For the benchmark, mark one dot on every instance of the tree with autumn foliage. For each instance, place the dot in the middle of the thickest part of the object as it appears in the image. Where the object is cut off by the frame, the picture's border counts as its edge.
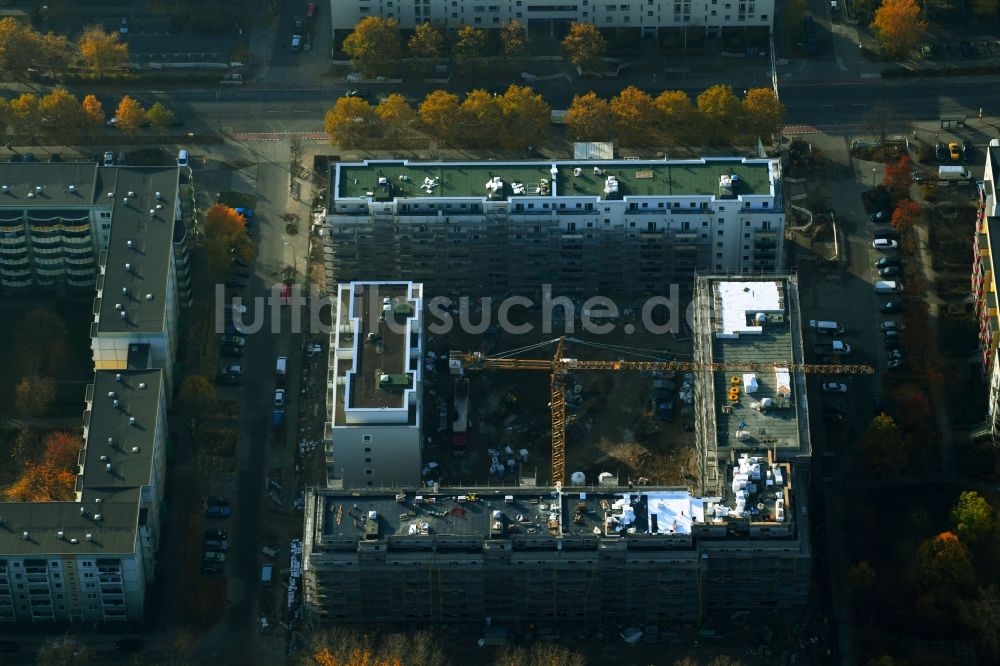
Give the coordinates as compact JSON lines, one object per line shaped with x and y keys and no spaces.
{"x":907,"y":215}
{"x":589,"y":118}
{"x":584,"y":46}
{"x":129,"y":116}
{"x":396,"y":116}
{"x":480,"y":119}
{"x":468,"y":47}
{"x":898,"y":177}
{"x":512,"y":41}
{"x":719,"y":114}
{"x":351,"y":122}
{"x":526,"y":117}
{"x":677,"y":115}
{"x":225,"y":237}
{"x":763,"y":113}
{"x":985,"y":8}
{"x":100,"y":50}
{"x":539,"y":654}
{"x":427,"y":43}
{"x":943,"y":563}
{"x":349,"y":647}
{"x":882,"y":447}
{"x":972,"y":516}
{"x":900,"y":26}
{"x":66,"y":651}
{"x":40,"y":343}
{"x":34,"y":394}
{"x":438,"y":113}
{"x":60,"y":115}
{"x":93,"y":111}
{"x":374,"y":46}
{"x":23,"y":114}
{"x":635,"y":116}
{"x":160,"y":116}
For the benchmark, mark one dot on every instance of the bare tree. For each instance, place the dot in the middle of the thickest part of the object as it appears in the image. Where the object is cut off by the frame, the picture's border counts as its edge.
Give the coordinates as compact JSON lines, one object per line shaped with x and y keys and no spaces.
{"x":878,"y":120}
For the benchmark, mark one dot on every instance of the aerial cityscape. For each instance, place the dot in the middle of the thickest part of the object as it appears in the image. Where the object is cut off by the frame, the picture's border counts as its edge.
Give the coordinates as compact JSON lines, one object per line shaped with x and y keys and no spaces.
{"x":430,"y":333}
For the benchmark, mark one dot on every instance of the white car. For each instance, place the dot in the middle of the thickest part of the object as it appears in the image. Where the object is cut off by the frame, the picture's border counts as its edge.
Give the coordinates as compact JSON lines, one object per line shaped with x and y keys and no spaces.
{"x":279,"y":397}
{"x":230,"y":307}
{"x":834,"y":387}
{"x":884,"y":244}
{"x":889,"y":325}
{"x":232,"y":370}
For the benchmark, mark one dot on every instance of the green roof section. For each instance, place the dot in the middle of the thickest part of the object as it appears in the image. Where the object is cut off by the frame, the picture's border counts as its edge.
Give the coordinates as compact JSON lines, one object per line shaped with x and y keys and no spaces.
{"x":403,"y":179}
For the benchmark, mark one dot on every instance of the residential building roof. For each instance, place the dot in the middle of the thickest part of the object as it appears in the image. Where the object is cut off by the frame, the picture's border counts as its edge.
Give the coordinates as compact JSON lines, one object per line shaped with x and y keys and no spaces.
{"x":64,"y":184}
{"x":98,"y":528}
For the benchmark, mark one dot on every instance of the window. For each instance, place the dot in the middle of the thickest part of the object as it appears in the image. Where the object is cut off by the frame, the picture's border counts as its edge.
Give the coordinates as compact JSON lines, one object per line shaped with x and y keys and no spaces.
{"x":763,"y":17}
{"x":746,"y":258}
{"x":368,"y":460}
{"x":746,"y":247}
{"x":479,"y":9}
{"x":718,"y":255}
{"x":766,"y":225}
{"x":693,"y":204}
{"x":719,"y":244}
{"x":364,"y":9}
{"x":366,"y":438}
{"x":685,"y":226}
{"x":649,"y":13}
{"x":369,"y":472}
{"x":477,"y":20}
{"x":722,"y":232}
{"x":765,"y":204}
{"x":651,"y":226}
{"x":368,"y":449}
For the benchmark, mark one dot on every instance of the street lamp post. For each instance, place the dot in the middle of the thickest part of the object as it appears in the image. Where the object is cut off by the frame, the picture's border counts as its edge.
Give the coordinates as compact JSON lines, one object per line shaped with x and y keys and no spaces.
{"x":218,"y":108}
{"x":873,"y":178}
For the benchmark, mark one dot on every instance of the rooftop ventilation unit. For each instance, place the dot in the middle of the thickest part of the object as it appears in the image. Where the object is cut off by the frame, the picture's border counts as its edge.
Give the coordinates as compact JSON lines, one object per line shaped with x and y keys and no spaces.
{"x":104,"y":458}
{"x":152,"y":213}
{"x":98,"y":500}
{"x":149,"y":297}
{"x":5,"y":189}
{"x":111,"y":441}
{"x":38,"y":188}
{"x":142,"y":385}
{"x":131,"y":420}
{"x":31,"y":195}
{"x":24,"y":535}
{"x":157,"y":195}
{"x":60,"y":535}
{"x":89,"y":536}
{"x":135,"y":449}
{"x":128,"y":244}
{"x":118,"y":376}
{"x":115,"y":403}
{"x":125,"y":201}
{"x":71,"y":188}
{"x":159,"y":206}
{"x":111,"y":195}
{"x":131,"y":193}
{"x":74,"y":541}
{"x":125,"y":290}
{"x":107,"y":467}
{"x":83,"y":511}
{"x":118,"y":306}
{"x":111,"y":394}
{"x":98,"y":516}
{"x":124,"y":316}
{"x":128,"y":267}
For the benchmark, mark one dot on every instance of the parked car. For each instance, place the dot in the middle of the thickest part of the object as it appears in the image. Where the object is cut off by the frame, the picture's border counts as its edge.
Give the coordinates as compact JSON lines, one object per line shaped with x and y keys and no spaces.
{"x":889,"y":325}
{"x":109,"y":159}
{"x":966,"y":50}
{"x":55,"y":157}
{"x":236,"y":283}
{"x":216,"y":533}
{"x":895,"y":354}
{"x":882,"y":216}
{"x":889,"y":271}
{"x":883,"y":262}
{"x":230,"y":307}
{"x":884,"y":244}
{"x":953,"y":151}
{"x":968,"y":151}
{"x":893,"y":343}
{"x":215,"y":545}
{"x":834,"y":387}
{"x":223,"y":379}
{"x":279,"y":397}
{"x":896,"y":364}
{"x":941,"y":152}
{"x":891,"y":306}
{"x":919,"y":176}
{"x":296,"y":42}
{"x":360,"y":93}
{"x":213,"y":556}
{"x":233,"y":370}
{"x":217,"y":511}
{"x":233,"y":340}
{"x":299,"y":26}
{"x":123,"y":25}
{"x":231,"y":351}
{"x":211,"y":568}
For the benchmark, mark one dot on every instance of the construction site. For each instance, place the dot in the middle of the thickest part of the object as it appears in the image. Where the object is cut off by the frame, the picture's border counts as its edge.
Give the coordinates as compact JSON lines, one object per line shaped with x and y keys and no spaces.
{"x":497,"y":430}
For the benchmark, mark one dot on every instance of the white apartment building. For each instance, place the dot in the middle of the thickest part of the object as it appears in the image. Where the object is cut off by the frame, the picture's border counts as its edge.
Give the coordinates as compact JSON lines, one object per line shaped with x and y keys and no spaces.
{"x":91,"y":559}
{"x":649,"y":16}
{"x":585,"y":227}
{"x":372,"y":435}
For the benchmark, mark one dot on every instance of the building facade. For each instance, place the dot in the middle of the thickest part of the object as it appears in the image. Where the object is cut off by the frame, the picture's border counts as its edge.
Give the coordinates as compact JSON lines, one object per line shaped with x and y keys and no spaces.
{"x":543,"y":555}
{"x":586,"y":228}
{"x":985,"y":243}
{"x":648,"y":16}
{"x":372,"y":436}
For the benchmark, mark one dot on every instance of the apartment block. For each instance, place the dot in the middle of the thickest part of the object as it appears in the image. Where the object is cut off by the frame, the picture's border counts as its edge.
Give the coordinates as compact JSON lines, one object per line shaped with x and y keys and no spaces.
{"x":143,"y":270}
{"x":372,"y":436}
{"x":611,"y":227}
{"x":649,"y":16}
{"x":551,"y":555}
{"x":985,"y":243}
{"x":745,"y":320}
{"x":91,"y":559}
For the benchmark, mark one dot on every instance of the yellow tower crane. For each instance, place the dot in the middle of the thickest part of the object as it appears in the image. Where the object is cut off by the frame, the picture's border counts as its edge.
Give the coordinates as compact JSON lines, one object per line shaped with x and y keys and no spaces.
{"x":559,"y":365}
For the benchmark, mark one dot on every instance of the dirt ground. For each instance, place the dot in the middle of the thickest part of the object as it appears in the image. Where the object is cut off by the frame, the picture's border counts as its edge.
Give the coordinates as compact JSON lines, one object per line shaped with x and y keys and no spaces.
{"x":612,"y":430}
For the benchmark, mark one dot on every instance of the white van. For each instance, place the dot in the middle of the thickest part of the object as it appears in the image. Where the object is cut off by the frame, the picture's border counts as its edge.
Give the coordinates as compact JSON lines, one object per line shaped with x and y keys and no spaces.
{"x":827,"y":327}
{"x":888,"y":287}
{"x":954,"y":173}
{"x":182,"y":157}
{"x":281,"y":366}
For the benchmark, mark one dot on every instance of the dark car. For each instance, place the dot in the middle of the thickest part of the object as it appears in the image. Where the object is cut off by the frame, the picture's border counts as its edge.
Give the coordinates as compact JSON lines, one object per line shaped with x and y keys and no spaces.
{"x":30,"y":157}
{"x":893,"y":343}
{"x":239,"y":263}
{"x":889,"y":272}
{"x":966,"y":50}
{"x":882,"y":216}
{"x":887,"y":261}
{"x":212,"y":568}
{"x":130,"y":645}
{"x":233,"y":341}
{"x":228,"y":379}
{"x":360,"y":93}
{"x":217,"y":533}
{"x":941,"y":152}
{"x":968,"y":151}
{"x":55,"y":157}
{"x":891,"y":306}
{"x":236,"y":283}
{"x":17,"y":157}
{"x":834,"y":414}
{"x":231,"y":351}
{"x":300,"y":26}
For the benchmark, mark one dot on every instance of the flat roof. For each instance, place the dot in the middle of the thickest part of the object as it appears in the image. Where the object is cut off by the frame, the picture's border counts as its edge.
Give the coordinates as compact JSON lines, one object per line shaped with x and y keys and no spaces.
{"x":404,"y":179}
{"x":56,"y":181}
{"x":113,"y":438}
{"x":740,"y":335}
{"x":112,"y":534}
{"x":137,"y":259}
{"x":387,"y":354}
{"x":501,"y":512}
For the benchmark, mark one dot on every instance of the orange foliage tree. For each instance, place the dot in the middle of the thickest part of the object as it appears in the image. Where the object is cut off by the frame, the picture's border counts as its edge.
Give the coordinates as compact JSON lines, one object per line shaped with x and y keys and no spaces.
{"x":944,"y":562}
{"x":42,"y":483}
{"x":906,"y":215}
{"x":62,"y":450}
{"x":899,"y":26}
{"x":898,"y":177}
{"x":224,"y":237}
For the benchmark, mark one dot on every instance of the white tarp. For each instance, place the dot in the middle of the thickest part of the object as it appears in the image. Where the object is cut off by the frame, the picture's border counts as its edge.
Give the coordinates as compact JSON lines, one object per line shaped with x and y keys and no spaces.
{"x":750,"y":382}
{"x":738,"y":299}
